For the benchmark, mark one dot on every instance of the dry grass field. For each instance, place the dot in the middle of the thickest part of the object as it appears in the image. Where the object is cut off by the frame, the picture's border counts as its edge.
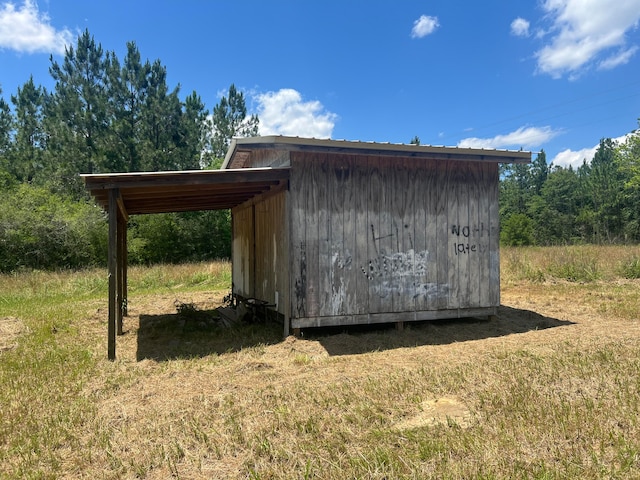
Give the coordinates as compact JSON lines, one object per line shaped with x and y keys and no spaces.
{"x":548,"y":390}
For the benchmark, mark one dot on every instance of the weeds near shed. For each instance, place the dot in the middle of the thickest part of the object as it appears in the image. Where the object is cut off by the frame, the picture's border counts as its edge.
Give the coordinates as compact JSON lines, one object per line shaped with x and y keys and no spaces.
{"x":582,"y":264}
{"x":630,"y":268}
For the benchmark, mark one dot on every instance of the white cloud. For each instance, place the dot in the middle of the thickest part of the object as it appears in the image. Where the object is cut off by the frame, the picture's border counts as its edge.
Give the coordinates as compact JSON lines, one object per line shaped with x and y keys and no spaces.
{"x":285,"y":113}
{"x":583,"y":31}
{"x":620,"y":58}
{"x":25,"y":29}
{"x":424,"y":26}
{"x":523,"y":137}
{"x":575,"y":158}
{"x":520,"y":27}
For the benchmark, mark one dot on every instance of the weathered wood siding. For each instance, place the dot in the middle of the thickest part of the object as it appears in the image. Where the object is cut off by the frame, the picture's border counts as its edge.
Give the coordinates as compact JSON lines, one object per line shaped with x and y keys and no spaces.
{"x":378,"y":239}
{"x":260,"y":251}
{"x":243,"y":254}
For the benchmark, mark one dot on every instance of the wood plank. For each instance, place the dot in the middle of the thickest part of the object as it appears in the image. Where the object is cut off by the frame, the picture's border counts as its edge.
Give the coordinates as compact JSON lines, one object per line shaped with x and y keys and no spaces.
{"x":125,"y":271}
{"x":287,"y":262}
{"x":454,"y":234}
{"x":465,"y":253}
{"x":113,"y":273}
{"x":345,"y":262}
{"x":315,"y":219}
{"x":411,"y":208}
{"x":483,"y":237}
{"x":386,"y":238}
{"x":326,"y":204}
{"x":338,"y":262}
{"x":494,"y":235}
{"x":403,"y":257}
{"x":242,"y":251}
{"x":260,"y":242}
{"x":476,"y":249}
{"x":422,"y":254}
{"x":121,"y":247}
{"x":436,"y":195}
{"x":392,"y":317}
{"x":443,"y":252}
{"x":374,"y":266}
{"x":191,"y":177}
{"x":297,"y":240}
{"x":361,"y":201}
{"x":252,"y":253}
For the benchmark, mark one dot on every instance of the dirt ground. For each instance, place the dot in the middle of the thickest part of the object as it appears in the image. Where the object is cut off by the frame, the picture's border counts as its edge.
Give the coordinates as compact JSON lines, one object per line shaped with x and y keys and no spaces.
{"x":153,"y":329}
{"x":10,"y":329}
{"x":154,"y":333}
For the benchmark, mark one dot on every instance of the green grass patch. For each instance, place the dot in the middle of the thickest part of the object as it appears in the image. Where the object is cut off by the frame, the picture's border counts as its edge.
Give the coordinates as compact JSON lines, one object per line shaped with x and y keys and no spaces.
{"x":630,"y":268}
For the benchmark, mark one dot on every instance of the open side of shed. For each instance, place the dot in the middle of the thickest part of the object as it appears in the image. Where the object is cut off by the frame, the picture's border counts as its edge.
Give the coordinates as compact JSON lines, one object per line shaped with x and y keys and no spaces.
{"x":334,"y":232}
{"x":124,"y":194}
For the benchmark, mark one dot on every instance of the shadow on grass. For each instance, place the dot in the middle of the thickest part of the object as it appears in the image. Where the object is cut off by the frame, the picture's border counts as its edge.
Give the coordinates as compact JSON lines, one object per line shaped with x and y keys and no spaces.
{"x":371,"y":338}
{"x":171,"y":336}
{"x":198,"y":334}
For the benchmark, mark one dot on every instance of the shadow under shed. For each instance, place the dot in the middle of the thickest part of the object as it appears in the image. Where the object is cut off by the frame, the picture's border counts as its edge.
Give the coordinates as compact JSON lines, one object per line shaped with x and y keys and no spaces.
{"x":199,"y":333}
{"x":509,"y":321}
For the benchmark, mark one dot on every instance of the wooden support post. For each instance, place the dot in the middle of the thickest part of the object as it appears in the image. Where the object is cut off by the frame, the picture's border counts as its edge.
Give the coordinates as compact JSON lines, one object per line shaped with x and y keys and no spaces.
{"x":120,"y":261}
{"x":123,"y":260}
{"x":113,"y":273}
{"x":400,"y":326}
{"x":125,"y":268}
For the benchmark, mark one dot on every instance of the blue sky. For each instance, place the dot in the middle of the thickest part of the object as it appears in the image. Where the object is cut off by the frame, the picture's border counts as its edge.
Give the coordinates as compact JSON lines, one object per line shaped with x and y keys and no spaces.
{"x":556,"y":75}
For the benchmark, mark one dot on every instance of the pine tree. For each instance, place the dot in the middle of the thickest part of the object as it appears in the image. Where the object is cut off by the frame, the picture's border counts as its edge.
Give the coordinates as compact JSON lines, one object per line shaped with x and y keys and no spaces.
{"x":195,"y":131}
{"x":77,"y":120}
{"x":230,"y":120}
{"x":603,"y":189}
{"x":6,"y":178}
{"x":30,"y":138}
{"x":161,"y":122}
{"x":128,"y":92}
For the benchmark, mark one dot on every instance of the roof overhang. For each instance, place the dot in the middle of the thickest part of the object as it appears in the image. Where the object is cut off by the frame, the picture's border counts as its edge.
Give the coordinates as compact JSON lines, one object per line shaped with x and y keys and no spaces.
{"x":241,"y":149}
{"x":187,"y":190}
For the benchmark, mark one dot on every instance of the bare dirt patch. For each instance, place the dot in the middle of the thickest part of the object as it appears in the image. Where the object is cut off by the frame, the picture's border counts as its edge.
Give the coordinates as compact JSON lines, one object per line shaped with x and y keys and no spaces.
{"x":10,"y":330}
{"x":443,"y":410}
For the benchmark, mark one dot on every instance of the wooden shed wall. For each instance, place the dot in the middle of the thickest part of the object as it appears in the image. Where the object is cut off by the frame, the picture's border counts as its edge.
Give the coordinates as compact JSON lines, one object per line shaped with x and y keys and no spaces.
{"x":260,"y":251}
{"x":391,"y":239}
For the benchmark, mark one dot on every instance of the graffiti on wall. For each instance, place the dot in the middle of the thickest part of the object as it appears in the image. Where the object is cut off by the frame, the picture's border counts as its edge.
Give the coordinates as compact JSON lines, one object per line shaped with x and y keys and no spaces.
{"x":470,"y":239}
{"x":400,"y":272}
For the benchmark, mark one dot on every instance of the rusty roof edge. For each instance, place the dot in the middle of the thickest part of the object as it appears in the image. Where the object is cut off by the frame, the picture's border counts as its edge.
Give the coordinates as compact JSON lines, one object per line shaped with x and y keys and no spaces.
{"x":346,"y":146}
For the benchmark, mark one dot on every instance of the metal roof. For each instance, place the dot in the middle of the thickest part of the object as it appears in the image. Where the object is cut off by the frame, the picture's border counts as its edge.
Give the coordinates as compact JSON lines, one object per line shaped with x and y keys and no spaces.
{"x":187,"y":190}
{"x":241,"y":148}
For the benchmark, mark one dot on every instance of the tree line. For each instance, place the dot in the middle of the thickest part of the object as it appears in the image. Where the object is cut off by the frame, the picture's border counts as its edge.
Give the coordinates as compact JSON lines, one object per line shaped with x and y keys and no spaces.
{"x":110,"y":115}
{"x":106,"y":115}
{"x":598,"y":202}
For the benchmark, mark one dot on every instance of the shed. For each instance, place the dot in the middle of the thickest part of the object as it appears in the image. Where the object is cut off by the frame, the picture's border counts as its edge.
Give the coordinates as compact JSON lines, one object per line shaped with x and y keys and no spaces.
{"x":369,"y":232}
{"x":333,"y":232}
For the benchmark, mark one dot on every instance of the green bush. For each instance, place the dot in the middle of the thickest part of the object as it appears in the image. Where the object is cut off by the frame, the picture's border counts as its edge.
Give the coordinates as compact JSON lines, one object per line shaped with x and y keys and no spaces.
{"x":42,"y":230}
{"x":517,"y":231}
